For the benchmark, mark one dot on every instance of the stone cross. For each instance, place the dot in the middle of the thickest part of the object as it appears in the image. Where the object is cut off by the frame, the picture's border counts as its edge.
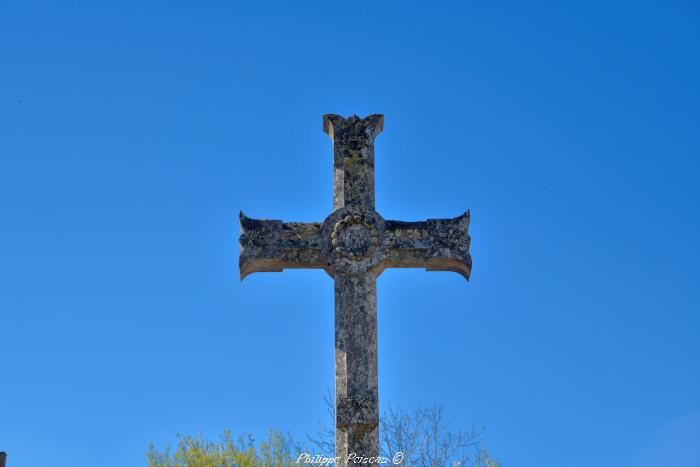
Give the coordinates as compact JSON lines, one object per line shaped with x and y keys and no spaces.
{"x":354,"y":244}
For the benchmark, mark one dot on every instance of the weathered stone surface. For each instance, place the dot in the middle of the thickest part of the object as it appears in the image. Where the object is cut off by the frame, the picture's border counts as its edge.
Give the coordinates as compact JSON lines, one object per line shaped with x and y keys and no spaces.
{"x":356,"y":389}
{"x":436,"y":245}
{"x":271,"y":246}
{"x":357,"y":412}
{"x":354,"y":244}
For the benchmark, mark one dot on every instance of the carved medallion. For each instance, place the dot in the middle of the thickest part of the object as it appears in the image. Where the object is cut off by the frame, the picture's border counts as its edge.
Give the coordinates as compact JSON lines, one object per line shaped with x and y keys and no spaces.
{"x":353,"y":239}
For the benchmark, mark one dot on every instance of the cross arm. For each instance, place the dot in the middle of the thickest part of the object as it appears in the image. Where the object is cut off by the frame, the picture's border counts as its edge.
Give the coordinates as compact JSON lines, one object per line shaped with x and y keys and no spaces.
{"x":435,"y":244}
{"x":273,"y":245}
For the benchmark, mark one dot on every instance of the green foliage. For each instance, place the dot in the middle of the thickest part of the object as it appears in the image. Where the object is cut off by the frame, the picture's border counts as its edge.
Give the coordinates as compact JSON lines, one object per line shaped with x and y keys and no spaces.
{"x":423,"y":437}
{"x":242,"y":452}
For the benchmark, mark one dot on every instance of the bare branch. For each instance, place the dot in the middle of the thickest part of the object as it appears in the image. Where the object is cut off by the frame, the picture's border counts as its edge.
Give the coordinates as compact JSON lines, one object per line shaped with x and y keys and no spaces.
{"x":425,"y":438}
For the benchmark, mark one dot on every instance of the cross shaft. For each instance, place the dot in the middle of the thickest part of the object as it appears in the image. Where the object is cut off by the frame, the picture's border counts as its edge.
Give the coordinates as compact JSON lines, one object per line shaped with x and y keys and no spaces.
{"x":354,"y":244}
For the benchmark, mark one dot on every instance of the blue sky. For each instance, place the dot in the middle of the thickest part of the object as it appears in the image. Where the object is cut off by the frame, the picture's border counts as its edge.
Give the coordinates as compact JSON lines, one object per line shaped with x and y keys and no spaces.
{"x":132,"y":133}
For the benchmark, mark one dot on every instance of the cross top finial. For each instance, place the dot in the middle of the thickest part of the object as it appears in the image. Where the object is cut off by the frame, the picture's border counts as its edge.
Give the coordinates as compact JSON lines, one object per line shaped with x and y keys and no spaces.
{"x":353,"y":157}
{"x":353,"y":128}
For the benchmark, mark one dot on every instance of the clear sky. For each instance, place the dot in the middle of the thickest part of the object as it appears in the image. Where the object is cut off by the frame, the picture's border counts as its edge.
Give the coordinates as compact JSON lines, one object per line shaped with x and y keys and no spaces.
{"x":132,"y":133}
